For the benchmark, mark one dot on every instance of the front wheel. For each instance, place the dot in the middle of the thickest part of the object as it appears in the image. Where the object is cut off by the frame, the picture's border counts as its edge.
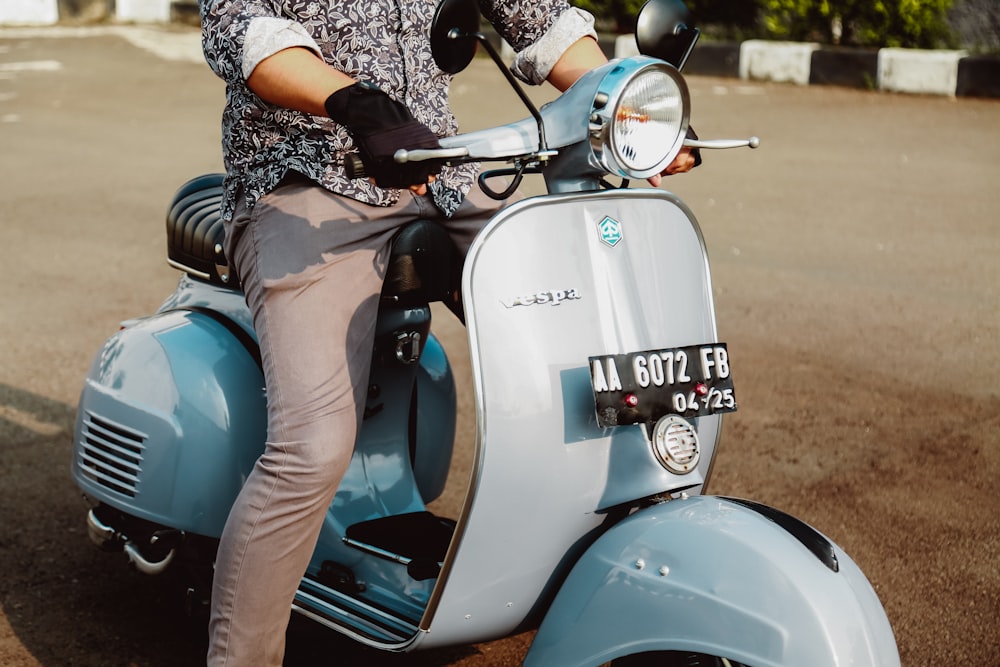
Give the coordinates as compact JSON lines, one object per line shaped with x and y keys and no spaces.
{"x":672,"y":659}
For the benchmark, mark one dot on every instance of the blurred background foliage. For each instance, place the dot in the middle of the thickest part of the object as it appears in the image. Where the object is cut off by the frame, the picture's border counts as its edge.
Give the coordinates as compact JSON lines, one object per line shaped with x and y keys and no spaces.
{"x":922,"y":24}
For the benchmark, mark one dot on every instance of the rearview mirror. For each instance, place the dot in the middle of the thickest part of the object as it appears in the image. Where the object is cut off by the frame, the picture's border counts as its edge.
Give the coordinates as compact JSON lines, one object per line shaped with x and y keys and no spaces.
{"x":453,"y":34}
{"x":662,"y":31}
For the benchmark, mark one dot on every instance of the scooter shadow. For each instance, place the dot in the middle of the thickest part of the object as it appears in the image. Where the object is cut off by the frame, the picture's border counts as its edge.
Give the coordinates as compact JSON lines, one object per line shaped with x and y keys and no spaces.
{"x":309,"y":645}
{"x":60,"y":598}
{"x":64,"y":602}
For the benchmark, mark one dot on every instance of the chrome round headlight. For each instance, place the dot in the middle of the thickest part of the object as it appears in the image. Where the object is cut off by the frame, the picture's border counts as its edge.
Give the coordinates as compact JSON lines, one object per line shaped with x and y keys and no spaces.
{"x":639,"y":118}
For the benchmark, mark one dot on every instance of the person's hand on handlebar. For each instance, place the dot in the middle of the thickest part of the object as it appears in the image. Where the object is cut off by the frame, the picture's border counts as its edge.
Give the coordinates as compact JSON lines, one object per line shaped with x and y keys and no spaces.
{"x":686,"y":160}
{"x":296,"y":78}
{"x":379,"y":126}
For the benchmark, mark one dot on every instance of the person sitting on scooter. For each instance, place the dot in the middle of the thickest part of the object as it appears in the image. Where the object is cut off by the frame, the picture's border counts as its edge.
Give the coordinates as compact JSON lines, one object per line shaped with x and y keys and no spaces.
{"x":308,"y":83}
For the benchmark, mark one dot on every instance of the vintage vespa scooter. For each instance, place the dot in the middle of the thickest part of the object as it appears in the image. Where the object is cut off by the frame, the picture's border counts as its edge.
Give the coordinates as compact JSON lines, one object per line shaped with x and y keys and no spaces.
{"x":599,"y":388}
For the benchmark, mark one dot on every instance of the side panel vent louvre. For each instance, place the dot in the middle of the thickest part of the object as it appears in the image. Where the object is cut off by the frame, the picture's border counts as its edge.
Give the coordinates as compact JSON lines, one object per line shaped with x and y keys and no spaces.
{"x":111,"y":454}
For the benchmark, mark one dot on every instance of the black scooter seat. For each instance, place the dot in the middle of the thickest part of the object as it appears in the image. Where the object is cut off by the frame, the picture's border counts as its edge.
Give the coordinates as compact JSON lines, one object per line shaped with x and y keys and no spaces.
{"x":421,"y":266}
{"x":195,"y":233}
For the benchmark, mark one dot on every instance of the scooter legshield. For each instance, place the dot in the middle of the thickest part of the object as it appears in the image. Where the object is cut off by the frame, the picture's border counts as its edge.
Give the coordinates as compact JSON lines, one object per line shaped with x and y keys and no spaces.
{"x":171,"y":419}
{"x":435,"y":427}
{"x":710,"y":575}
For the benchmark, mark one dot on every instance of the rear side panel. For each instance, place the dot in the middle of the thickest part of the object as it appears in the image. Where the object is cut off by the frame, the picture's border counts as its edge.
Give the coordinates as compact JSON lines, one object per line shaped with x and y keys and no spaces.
{"x":171,"y":419}
{"x":552,"y":281}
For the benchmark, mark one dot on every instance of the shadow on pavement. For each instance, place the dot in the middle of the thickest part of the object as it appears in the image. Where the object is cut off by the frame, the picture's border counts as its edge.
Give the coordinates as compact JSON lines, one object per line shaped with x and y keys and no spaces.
{"x":65,"y":602}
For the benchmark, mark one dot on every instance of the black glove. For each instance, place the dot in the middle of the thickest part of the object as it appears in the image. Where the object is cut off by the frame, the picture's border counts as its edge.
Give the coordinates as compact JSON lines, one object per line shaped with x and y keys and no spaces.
{"x":380,"y":126}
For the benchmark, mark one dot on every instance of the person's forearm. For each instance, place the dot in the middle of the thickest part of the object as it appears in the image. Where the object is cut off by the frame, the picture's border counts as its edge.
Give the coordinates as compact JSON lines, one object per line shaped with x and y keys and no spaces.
{"x":584,"y":55}
{"x":296,"y":79}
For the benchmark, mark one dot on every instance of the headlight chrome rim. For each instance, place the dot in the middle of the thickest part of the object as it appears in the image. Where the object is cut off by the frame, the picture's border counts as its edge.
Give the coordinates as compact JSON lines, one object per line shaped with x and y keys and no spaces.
{"x":611,"y":112}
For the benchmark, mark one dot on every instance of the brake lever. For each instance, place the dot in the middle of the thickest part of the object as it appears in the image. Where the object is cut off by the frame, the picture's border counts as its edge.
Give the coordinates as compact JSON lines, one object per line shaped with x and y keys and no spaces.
{"x":403,"y":156}
{"x":752,"y":142}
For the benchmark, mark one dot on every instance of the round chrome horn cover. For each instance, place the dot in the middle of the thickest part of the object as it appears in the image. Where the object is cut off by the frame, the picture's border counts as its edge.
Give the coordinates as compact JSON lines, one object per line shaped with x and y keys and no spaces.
{"x":675,"y":444}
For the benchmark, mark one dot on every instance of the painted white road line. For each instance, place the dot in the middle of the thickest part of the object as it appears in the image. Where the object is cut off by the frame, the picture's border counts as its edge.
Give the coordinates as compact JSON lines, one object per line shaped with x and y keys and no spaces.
{"x":32,"y":66}
{"x":170,"y":44}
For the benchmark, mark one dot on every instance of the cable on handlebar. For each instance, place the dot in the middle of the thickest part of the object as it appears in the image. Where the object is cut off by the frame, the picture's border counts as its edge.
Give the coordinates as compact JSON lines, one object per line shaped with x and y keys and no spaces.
{"x":517,"y":173}
{"x":611,"y":186}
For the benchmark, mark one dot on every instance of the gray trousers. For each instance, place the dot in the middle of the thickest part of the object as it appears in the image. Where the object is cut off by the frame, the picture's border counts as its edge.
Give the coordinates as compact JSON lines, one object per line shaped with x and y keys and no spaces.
{"x":312,"y":265}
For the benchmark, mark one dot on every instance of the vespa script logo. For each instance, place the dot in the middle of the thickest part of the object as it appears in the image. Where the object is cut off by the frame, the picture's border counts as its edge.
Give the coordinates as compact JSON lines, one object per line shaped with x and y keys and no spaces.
{"x":551,"y":297}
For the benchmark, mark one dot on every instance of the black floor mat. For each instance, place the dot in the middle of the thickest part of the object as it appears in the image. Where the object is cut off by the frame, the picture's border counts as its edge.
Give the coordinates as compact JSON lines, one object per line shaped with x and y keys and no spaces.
{"x":418,"y":536}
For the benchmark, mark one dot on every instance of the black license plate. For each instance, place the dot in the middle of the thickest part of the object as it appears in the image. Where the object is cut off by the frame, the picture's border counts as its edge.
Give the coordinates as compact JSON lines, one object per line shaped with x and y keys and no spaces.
{"x":641,"y":387}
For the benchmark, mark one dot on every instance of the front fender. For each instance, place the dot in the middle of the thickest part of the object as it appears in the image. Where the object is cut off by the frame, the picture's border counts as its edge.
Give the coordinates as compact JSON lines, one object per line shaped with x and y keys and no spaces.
{"x":714,"y":576}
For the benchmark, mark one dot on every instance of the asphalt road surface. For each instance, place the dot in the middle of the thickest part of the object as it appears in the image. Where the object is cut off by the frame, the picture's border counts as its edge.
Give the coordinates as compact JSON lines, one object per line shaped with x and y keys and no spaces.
{"x":855,"y":259}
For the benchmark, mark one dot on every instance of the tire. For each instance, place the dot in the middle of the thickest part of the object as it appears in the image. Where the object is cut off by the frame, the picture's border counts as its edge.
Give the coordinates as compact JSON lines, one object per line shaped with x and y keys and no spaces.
{"x":672,"y":659}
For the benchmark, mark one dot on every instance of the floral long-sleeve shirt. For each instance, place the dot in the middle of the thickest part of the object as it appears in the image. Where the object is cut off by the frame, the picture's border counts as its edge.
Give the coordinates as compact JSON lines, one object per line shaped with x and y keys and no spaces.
{"x":385,"y":42}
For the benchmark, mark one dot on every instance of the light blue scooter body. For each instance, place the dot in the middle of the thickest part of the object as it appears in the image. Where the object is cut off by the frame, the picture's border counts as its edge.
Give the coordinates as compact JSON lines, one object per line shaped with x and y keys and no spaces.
{"x":546,"y":285}
{"x":551,"y":281}
{"x":532,"y":543}
{"x":173,"y":416}
{"x":712,"y":576}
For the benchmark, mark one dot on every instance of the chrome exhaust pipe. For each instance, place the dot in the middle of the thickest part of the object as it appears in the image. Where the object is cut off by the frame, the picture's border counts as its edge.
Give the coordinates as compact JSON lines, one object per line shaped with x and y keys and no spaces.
{"x":146,"y":566}
{"x":100,"y":533}
{"x":109,"y":539}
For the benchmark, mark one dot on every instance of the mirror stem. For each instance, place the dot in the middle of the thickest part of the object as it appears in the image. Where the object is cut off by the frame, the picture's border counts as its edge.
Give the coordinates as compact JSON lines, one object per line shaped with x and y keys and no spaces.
{"x":515,"y":84}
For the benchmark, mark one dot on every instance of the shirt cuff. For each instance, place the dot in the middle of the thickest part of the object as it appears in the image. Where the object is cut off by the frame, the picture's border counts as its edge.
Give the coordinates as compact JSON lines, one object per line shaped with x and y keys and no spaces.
{"x":267,"y":35}
{"x":534,"y":63}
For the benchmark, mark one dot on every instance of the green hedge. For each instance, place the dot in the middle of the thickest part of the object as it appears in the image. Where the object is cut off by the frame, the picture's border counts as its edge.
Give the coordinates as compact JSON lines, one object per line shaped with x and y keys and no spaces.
{"x":869,"y":23}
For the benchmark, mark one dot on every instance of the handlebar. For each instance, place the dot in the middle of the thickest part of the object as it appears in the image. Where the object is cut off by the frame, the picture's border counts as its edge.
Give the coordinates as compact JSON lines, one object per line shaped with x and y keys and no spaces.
{"x":355,"y":168}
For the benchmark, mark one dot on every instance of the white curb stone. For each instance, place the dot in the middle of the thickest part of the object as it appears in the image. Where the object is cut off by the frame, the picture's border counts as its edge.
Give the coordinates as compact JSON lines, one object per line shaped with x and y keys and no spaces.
{"x":143,"y":11}
{"x":783,"y":62}
{"x":918,"y":71}
{"x":28,"y":12}
{"x":181,"y":46}
{"x":625,"y":46}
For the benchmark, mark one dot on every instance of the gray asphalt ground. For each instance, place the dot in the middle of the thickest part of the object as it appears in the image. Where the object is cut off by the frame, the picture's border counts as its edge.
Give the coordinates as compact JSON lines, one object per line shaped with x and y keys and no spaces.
{"x":857,"y":284}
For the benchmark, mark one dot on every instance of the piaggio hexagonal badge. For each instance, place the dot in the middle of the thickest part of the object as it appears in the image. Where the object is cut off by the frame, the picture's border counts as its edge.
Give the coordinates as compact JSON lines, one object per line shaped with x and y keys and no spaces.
{"x":610,"y":230}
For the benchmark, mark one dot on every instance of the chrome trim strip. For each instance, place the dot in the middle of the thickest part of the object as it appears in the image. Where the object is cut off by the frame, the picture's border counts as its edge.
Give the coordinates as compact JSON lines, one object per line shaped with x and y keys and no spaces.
{"x":375,"y":551}
{"x":339,"y":618}
{"x":187,"y":269}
